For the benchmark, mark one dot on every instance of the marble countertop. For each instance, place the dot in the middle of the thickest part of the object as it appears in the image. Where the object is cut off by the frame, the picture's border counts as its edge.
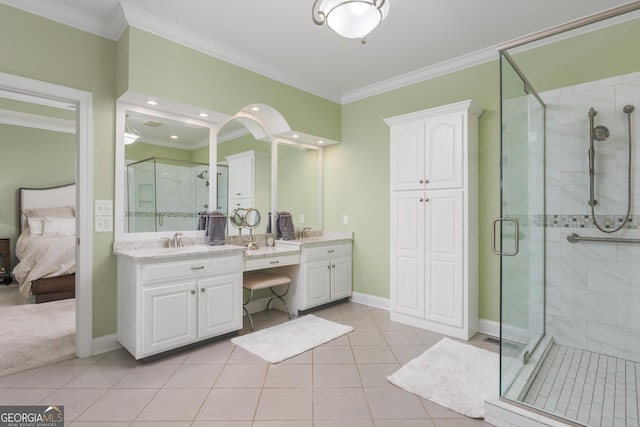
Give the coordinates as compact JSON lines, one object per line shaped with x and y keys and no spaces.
{"x":155,"y":249}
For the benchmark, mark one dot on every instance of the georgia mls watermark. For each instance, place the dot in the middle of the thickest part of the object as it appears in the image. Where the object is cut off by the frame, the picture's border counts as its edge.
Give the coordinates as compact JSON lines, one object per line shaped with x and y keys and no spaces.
{"x":32,"y":416}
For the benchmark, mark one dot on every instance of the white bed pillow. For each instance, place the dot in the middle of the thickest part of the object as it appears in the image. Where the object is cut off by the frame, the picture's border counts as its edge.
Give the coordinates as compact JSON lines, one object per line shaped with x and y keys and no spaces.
{"x":59,"y":226}
{"x":36,"y":226}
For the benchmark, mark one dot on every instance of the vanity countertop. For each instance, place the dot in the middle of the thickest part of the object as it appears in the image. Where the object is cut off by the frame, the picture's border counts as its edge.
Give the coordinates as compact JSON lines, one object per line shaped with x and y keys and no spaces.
{"x":266,"y":252}
{"x":157,"y":253}
{"x":320,"y":239}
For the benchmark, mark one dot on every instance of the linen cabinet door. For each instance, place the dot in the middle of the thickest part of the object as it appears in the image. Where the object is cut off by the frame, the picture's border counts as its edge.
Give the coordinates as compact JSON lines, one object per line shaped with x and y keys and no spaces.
{"x":443,"y":152}
{"x":407,"y":157}
{"x":219,"y":305}
{"x":169,"y":316}
{"x":444,"y":257}
{"x":341,"y":286}
{"x":407,"y":248}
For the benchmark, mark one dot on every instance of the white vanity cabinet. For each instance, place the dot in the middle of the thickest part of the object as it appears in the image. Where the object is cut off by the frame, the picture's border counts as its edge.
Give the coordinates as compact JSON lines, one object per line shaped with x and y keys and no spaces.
{"x":324,"y":275}
{"x":165,"y":304}
{"x":434,"y":225}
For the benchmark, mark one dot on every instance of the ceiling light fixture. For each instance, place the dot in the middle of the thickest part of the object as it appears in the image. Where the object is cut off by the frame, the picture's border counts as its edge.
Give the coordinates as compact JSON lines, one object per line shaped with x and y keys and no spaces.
{"x":130,"y":134}
{"x":152,"y":102}
{"x":353,"y":19}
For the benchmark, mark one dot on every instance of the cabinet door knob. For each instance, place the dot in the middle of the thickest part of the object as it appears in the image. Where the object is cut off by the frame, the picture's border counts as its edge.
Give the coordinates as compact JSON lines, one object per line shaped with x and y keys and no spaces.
{"x":201,"y":289}
{"x":330,"y":251}
{"x":426,"y":200}
{"x":193,"y":291}
{"x":197,"y":268}
{"x":421,"y":199}
{"x":421,"y":181}
{"x":426,"y":181}
{"x":333,"y":266}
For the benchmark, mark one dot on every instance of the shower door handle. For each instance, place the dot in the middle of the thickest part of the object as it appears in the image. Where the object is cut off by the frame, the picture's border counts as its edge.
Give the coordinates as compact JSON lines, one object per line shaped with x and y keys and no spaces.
{"x":516,"y":236}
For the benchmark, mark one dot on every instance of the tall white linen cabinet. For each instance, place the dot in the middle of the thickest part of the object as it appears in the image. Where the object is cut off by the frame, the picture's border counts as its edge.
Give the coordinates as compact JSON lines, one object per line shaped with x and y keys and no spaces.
{"x":434,"y":219}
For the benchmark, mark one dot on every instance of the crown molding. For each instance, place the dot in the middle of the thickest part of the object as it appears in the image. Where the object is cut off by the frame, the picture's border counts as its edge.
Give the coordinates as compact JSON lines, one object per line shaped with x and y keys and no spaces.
{"x":16,"y":118}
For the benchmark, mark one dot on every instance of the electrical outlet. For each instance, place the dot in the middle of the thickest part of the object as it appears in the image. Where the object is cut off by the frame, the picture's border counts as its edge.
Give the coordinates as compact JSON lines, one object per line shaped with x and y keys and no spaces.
{"x":104,"y":223}
{"x":104,"y":207}
{"x":345,"y":219}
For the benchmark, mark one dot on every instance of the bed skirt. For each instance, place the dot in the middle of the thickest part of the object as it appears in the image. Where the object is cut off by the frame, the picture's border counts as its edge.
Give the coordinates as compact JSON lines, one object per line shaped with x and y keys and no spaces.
{"x":54,"y":288}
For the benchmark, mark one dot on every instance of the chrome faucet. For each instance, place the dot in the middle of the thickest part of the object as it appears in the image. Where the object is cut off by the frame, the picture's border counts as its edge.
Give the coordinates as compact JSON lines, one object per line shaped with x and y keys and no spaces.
{"x":304,"y":230}
{"x":176,"y":241}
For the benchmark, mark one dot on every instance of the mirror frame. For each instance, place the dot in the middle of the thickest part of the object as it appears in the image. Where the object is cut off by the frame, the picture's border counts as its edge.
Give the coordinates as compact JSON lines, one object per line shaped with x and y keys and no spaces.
{"x":263,"y":121}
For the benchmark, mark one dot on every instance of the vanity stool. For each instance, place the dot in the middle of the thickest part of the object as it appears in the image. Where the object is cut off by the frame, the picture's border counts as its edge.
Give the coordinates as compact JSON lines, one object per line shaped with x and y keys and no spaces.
{"x":261,"y":280}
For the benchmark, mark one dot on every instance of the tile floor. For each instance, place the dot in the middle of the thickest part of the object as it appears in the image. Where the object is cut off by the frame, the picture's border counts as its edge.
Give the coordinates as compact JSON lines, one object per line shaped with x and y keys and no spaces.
{"x":592,"y":388}
{"x":341,"y":383}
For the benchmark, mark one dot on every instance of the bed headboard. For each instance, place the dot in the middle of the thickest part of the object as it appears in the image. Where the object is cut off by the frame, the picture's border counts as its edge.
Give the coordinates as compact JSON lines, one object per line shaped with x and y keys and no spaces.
{"x":49,"y":197}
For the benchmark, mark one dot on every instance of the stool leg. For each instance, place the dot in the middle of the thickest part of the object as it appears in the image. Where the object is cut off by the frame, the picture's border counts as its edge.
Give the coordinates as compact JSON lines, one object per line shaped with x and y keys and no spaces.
{"x":279,"y":296}
{"x":244,"y":307}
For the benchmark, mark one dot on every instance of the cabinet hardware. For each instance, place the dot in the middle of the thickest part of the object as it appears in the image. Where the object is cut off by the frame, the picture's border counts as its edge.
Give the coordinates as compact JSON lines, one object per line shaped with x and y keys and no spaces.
{"x":421,"y":199}
{"x":274,"y":262}
{"x":426,"y":200}
{"x":193,"y":291}
{"x":197,"y":268}
{"x":330,"y":251}
{"x":426,"y":181}
{"x":333,"y":266}
{"x":421,"y":181}
{"x":202,"y":290}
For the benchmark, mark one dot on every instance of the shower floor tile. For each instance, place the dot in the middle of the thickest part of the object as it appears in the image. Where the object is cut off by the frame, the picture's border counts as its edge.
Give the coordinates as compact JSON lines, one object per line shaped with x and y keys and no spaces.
{"x":591,"y":388}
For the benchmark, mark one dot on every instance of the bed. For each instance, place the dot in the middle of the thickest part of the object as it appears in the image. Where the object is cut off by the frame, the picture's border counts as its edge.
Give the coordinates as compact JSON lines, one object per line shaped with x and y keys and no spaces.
{"x":46,"y":245}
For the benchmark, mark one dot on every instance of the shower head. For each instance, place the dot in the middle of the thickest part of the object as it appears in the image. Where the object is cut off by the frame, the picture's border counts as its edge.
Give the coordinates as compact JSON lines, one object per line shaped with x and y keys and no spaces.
{"x":628,"y":109}
{"x":202,"y":174}
{"x":600,"y":133}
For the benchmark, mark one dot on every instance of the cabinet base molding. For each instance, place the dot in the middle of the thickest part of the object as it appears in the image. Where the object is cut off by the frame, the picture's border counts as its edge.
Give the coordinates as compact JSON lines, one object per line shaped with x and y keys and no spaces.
{"x":453,"y":331}
{"x":187,"y":347}
{"x":320,"y":307}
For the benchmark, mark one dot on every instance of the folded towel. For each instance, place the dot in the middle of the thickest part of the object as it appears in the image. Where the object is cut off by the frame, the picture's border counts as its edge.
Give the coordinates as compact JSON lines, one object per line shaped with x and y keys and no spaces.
{"x":216,"y":226}
{"x":202,"y":220}
{"x":285,"y":226}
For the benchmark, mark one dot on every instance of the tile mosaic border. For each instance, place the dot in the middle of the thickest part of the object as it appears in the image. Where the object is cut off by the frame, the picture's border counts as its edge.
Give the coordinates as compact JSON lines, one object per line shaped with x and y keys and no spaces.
{"x":577,"y":221}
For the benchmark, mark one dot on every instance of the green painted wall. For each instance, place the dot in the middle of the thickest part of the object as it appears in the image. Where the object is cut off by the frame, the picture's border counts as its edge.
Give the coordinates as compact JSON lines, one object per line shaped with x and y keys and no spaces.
{"x":357,"y":174}
{"x":41,"y":49}
{"x":31,"y":158}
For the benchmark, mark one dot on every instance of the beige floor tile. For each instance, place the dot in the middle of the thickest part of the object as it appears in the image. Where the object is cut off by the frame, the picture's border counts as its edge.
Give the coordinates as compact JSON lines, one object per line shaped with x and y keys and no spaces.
{"x":75,"y":401}
{"x":99,"y":424}
{"x":147,"y":376}
{"x":53,"y":376}
{"x":467,"y":422}
{"x":404,"y":423}
{"x":174,"y":405}
{"x":230,"y":404}
{"x":373,"y":354}
{"x":402,"y":338}
{"x":375,"y":374}
{"x":406,"y":353}
{"x":279,"y":423}
{"x":340,"y":404}
{"x":291,"y":376}
{"x":343,"y":340}
{"x":343,"y":423}
{"x":222,"y":424}
{"x":13,"y":379}
{"x":24,"y":396}
{"x":194,"y":376}
{"x":119,"y":357}
{"x":438,"y":411}
{"x":244,"y":357}
{"x":304,"y":358}
{"x":242,"y":376}
{"x":99,"y":376}
{"x":160,"y":424}
{"x":332,"y":354}
{"x":391,"y":402}
{"x":285,"y":404}
{"x":344,"y":375}
{"x":212,"y":354}
{"x":363,"y":325}
{"x":367,"y":338}
{"x":118,"y":405}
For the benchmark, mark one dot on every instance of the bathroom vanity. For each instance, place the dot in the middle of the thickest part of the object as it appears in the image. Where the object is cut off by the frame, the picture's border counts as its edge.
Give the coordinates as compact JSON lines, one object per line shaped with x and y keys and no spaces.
{"x":172,"y":297}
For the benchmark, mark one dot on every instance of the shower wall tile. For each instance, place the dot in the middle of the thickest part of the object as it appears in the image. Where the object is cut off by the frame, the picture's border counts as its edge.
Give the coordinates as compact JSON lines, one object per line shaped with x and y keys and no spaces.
{"x":592,"y":289}
{"x":569,"y":332}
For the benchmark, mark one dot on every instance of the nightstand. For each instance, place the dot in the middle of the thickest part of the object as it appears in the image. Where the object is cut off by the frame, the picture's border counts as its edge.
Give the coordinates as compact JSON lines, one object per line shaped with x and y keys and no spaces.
{"x":5,"y":261}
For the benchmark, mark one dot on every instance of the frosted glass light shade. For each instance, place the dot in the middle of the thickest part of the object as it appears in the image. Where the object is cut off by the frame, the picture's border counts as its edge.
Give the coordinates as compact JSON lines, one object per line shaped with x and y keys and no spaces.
{"x":130,"y":138}
{"x":352,"y":19}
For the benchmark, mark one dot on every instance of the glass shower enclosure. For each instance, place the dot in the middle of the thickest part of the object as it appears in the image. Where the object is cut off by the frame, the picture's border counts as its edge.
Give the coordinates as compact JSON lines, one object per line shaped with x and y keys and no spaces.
{"x":568,"y":235}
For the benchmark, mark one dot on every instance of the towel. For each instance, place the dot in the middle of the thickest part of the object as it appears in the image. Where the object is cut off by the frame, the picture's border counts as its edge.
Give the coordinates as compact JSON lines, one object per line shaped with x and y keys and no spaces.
{"x":215,"y":228}
{"x":202,"y":220}
{"x":285,"y":226}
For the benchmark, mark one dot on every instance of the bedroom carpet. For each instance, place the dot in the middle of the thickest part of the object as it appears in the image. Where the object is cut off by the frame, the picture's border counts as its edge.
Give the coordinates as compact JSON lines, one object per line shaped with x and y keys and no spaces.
{"x":291,"y":338}
{"x":35,"y":335}
{"x":452,"y":374}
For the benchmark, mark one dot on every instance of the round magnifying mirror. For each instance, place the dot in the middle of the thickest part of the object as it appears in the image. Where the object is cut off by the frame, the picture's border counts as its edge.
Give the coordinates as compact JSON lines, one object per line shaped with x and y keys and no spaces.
{"x":252,"y":218}
{"x":237,"y":217}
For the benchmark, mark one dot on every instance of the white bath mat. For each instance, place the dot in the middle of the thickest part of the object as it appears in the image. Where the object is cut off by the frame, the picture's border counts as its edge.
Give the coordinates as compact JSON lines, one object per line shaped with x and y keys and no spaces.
{"x":455,"y":375}
{"x":291,"y":338}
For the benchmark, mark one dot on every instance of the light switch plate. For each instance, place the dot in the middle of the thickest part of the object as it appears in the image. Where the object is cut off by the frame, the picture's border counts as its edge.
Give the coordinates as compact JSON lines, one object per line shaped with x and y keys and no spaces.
{"x":104,"y":207}
{"x":104,"y":223}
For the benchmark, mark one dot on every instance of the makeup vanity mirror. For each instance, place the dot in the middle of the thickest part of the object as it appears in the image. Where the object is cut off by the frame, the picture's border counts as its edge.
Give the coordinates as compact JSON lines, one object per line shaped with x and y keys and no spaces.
{"x":289,"y":170}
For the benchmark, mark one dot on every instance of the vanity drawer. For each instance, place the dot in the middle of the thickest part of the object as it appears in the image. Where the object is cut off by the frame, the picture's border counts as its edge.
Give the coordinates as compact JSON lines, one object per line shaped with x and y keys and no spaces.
{"x":192,"y":267}
{"x":326,"y":252}
{"x":272,"y":261}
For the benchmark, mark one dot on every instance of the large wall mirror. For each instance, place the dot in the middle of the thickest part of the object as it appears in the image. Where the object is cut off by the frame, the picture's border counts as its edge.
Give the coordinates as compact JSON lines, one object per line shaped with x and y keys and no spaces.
{"x":164,"y":179}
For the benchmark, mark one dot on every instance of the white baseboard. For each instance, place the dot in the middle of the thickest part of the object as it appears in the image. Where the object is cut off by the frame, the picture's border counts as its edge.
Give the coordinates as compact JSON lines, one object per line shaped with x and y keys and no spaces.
{"x":489,"y":327}
{"x":371,"y":300}
{"x":105,"y":343}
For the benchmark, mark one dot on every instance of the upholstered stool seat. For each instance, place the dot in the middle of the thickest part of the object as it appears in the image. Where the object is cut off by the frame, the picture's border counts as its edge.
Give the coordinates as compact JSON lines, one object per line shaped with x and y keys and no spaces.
{"x":261,"y":280}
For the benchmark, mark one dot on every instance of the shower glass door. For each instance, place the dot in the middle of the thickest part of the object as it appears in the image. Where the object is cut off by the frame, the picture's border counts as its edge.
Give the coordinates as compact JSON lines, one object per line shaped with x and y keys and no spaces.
{"x":521,"y":240}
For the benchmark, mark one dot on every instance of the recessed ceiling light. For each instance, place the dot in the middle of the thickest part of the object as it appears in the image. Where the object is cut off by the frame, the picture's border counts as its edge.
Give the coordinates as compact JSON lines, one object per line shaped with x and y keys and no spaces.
{"x":255,"y":109}
{"x":295,"y":135}
{"x":320,"y":141}
{"x":152,"y":102}
{"x":174,"y":137}
{"x":203,"y":115}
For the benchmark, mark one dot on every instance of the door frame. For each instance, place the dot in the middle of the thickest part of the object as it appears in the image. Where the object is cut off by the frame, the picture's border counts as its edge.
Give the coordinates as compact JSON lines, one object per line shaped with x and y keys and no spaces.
{"x":84,"y":193}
